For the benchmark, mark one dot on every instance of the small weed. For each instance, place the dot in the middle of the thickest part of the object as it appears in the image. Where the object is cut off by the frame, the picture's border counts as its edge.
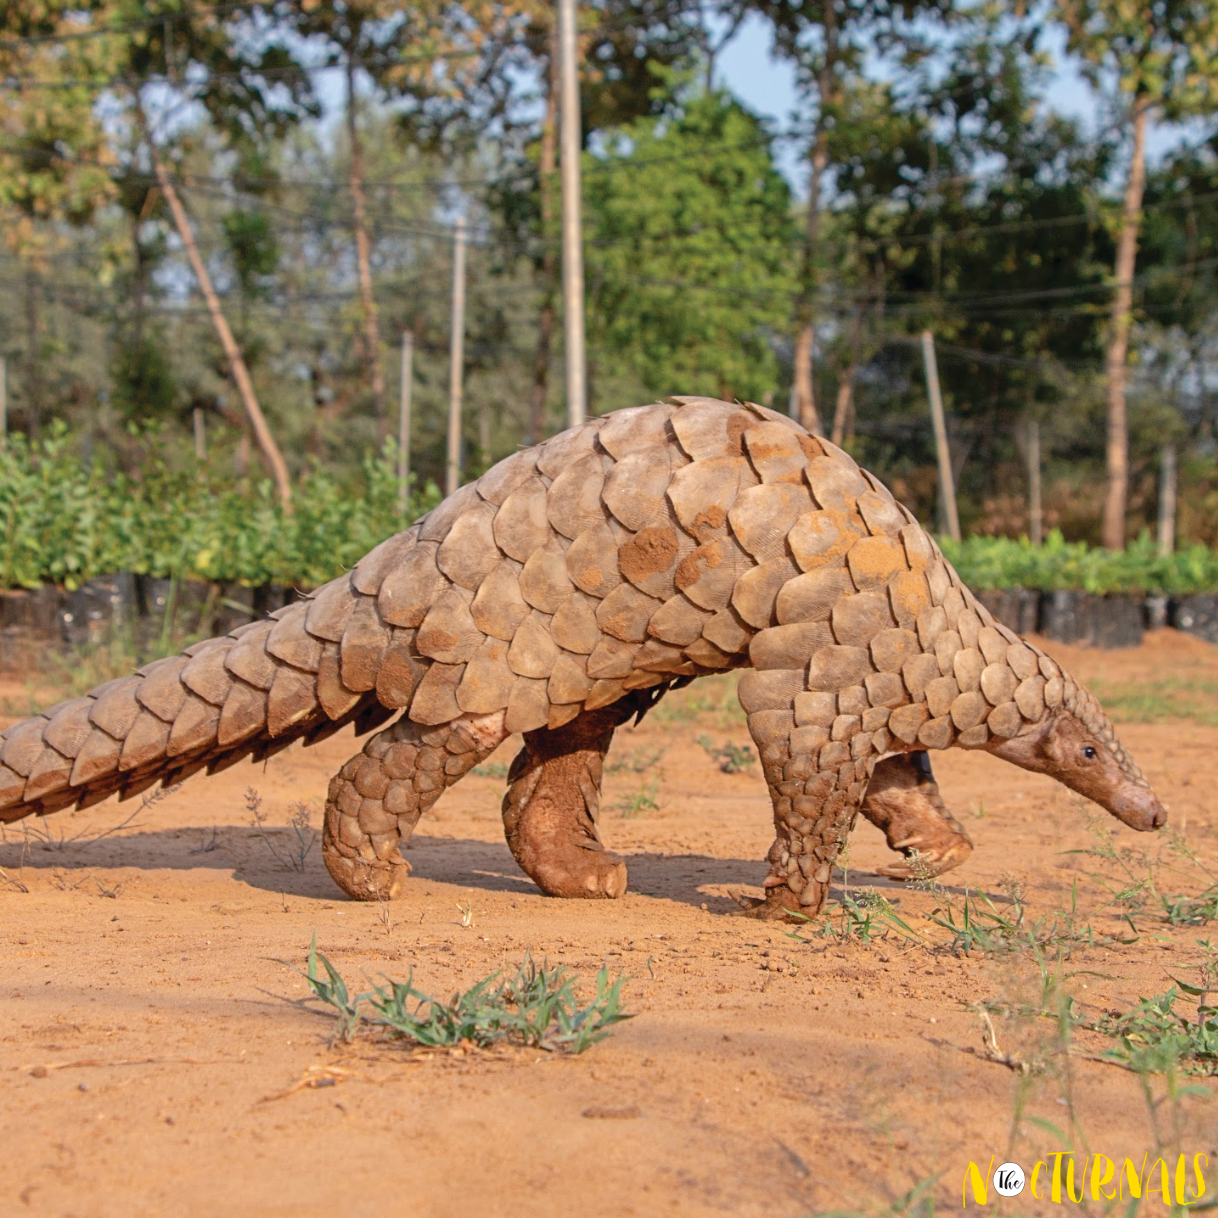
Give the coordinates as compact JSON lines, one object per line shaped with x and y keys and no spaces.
{"x":643,"y":800}
{"x":731,"y":758}
{"x":467,"y":914}
{"x":1191,"y":700}
{"x":979,"y":811}
{"x":867,"y":917}
{"x":18,"y":885}
{"x":301,"y":824}
{"x":636,"y":761}
{"x":919,"y":1202}
{"x":490,"y":769}
{"x":534,"y":1006}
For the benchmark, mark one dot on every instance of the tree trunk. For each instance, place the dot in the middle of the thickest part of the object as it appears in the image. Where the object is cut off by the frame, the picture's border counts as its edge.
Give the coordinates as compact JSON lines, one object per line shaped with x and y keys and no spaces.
{"x":1117,"y":450}
{"x":845,"y":386}
{"x":236,"y":363}
{"x":33,"y":359}
{"x":363,"y":257}
{"x":547,"y":167}
{"x":805,"y":341}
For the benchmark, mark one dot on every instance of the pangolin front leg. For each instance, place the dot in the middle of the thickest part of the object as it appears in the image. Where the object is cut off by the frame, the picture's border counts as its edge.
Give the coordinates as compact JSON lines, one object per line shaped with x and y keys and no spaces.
{"x":376,"y":799}
{"x":549,"y":812}
{"x":903,"y":800}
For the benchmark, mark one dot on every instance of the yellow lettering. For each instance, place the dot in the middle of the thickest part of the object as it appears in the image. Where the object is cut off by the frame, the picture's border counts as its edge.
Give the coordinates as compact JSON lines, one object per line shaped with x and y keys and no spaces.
{"x":979,"y":1184}
{"x":1199,"y":1177}
{"x":1164,"y":1181}
{"x":1057,"y":1156}
{"x":1133,"y":1179}
{"x":1035,"y":1176}
{"x":1098,"y":1181}
{"x":1082,"y":1183}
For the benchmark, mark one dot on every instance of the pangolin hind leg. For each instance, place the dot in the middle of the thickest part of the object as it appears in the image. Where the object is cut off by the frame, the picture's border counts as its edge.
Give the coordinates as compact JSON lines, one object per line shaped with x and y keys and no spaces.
{"x":550,"y":809}
{"x":903,"y":800}
{"x":376,"y":799}
{"x":816,"y":795}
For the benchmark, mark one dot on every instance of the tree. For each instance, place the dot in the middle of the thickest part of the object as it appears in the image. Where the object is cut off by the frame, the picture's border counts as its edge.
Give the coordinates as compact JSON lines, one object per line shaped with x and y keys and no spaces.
{"x":689,"y":250}
{"x":1164,"y":59}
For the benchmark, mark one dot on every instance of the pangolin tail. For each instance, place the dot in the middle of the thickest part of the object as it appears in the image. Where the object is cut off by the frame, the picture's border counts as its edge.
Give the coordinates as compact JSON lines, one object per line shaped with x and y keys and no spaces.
{"x":248,"y":694}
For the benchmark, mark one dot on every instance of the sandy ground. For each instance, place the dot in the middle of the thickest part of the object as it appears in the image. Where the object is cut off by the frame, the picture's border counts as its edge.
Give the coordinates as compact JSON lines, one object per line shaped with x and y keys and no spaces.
{"x":157,"y":1056}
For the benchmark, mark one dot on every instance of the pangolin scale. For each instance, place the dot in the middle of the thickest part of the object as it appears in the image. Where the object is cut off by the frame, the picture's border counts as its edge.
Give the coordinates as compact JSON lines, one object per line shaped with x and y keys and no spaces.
{"x":562,"y":593}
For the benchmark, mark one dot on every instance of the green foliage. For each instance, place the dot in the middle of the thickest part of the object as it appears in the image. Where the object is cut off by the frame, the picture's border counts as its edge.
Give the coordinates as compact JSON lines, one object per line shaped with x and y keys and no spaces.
{"x":535,"y":1006}
{"x":62,"y":521}
{"x":1000,"y":562}
{"x":731,"y":758}
{"x":1154,"y":1038}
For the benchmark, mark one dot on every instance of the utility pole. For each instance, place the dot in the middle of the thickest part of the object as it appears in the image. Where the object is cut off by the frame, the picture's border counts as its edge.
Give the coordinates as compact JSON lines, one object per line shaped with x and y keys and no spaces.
{"x":1036,"y":514}
{"x":404,"y":422}
{"x":456,"y":366}
{"x":1167,"y":499}
{"x":572,"y":236}
{"x":947,"y":485}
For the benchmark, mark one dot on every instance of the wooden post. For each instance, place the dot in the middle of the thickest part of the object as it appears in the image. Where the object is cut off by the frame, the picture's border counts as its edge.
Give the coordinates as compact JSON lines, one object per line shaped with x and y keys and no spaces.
{"x":3,"y":403}
{"x":200,"y":435}
{"x":404,"y":422}
{"x":456,"y":366}
{"x":1036,"y":515}
{"x":572,"y":238}
{"x":947,"y":485}
{"x":1167,"y":499}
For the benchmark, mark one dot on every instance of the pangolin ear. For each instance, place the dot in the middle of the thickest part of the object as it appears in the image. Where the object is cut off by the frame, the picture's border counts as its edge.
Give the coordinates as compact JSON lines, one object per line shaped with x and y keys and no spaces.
{"x":1056,"y":738}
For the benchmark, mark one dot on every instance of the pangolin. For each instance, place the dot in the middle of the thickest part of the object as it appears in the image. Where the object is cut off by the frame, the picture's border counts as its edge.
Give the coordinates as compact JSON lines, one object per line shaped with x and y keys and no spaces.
{"x":562,"y":593}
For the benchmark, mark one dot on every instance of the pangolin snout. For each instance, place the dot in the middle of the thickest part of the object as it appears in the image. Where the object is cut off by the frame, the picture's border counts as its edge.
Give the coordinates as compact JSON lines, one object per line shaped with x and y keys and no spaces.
{"x":1139,"y":808}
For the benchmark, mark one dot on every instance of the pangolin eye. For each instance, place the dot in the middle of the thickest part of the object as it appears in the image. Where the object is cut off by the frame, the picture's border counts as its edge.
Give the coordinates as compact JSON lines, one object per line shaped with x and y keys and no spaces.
{"x":1089,"y":753}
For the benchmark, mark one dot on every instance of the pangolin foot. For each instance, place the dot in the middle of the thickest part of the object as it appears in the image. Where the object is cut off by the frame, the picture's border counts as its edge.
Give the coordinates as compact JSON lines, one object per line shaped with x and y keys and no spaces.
{"x":382,"y":880}
{"x":580,"y":871}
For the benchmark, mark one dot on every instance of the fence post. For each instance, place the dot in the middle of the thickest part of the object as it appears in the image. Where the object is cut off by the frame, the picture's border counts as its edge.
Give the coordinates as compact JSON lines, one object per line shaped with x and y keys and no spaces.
{"x":456,"y":366}
{"x":1167,"y":499}
{"x":572,"y":238}
{"x":1036,"y":515}
{"x":947,"y":485}
{"x":404,"y":422}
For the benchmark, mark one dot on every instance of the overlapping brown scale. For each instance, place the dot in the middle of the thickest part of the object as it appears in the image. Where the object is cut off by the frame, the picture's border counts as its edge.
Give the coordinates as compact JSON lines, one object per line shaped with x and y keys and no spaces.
{"x":100,"y":754}
{"x":905,"y":721}
{"x":544,"y":582}
{"x":499,"y":607}
{"x":574,"y":499}
{"x":532,"y":652}
{"x":436,"y":524}
{"x":290,"y":642}
{"x":528,"y":706}
{"x":242,"y":716}
{"x":774,"y":452}
{"x":909,"y":596}
{"x":998,"y":683}
{"x":936,"y":733}
{"x":758,"y":588}
{"x":706,"y":428}
{"x":763,"y":515}
{"x":1030,"y":698}
{"x":649,"y":559}
{"x":821,"y":539}
{"x":881,"y":514}
{"x":773,"y":689}
{"x":371,"y":570}
{"x":892,"y":649}
{"x":728,"y":631}
{"x":521,"y":524}
{"x":624,"y":614}
{"x":658,"y":656}
{"x":247,"y":658}
{"x":400,"y":671}
{"x":407,"y":592}
{"x":967,"y":666}
{"x":487,"y":680}
{"x":592,"y":561}
{"x":611,"y":658}
{"x":1022,"y":660}
{"x":332,"y":695}
{"x":708,"y":573}
{"x":449,"y":632}
{"x":857,"y":619}
{"x":836,"y":667}
{"x":788,"y":646}
{"x":161,"y":691}
{"x":194,"y":727}
{"x":946,"y":646}
{"x":363,"y":644}
{"x":503,"y":478}
{"x":604,"y":691}
{"x":678,"y":621}
{"x":469,"y":553}
{"x":635,"y":487}
{"x":207,"y":676}
{"x":885,"y":689}
{"x":706,"y":655}
{"x":702,"y":494}
{"x":1005,"y":720}
{"x":50,"y":773}
{"x":565,"y":449}
{"x":329,"y":609}
{"x":919,"y":671}
{"x":68,"y":729}
{"x":811,"y":596}
{"x":574,"y":625}
{"x":873,"y":561}
{"x":292,"y":698}
{"x":836,"y":486}
{"x":940,"y":694}
{"x":630,"y":431}
{"x":435,"y":700}
{"x":569,"y":682}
